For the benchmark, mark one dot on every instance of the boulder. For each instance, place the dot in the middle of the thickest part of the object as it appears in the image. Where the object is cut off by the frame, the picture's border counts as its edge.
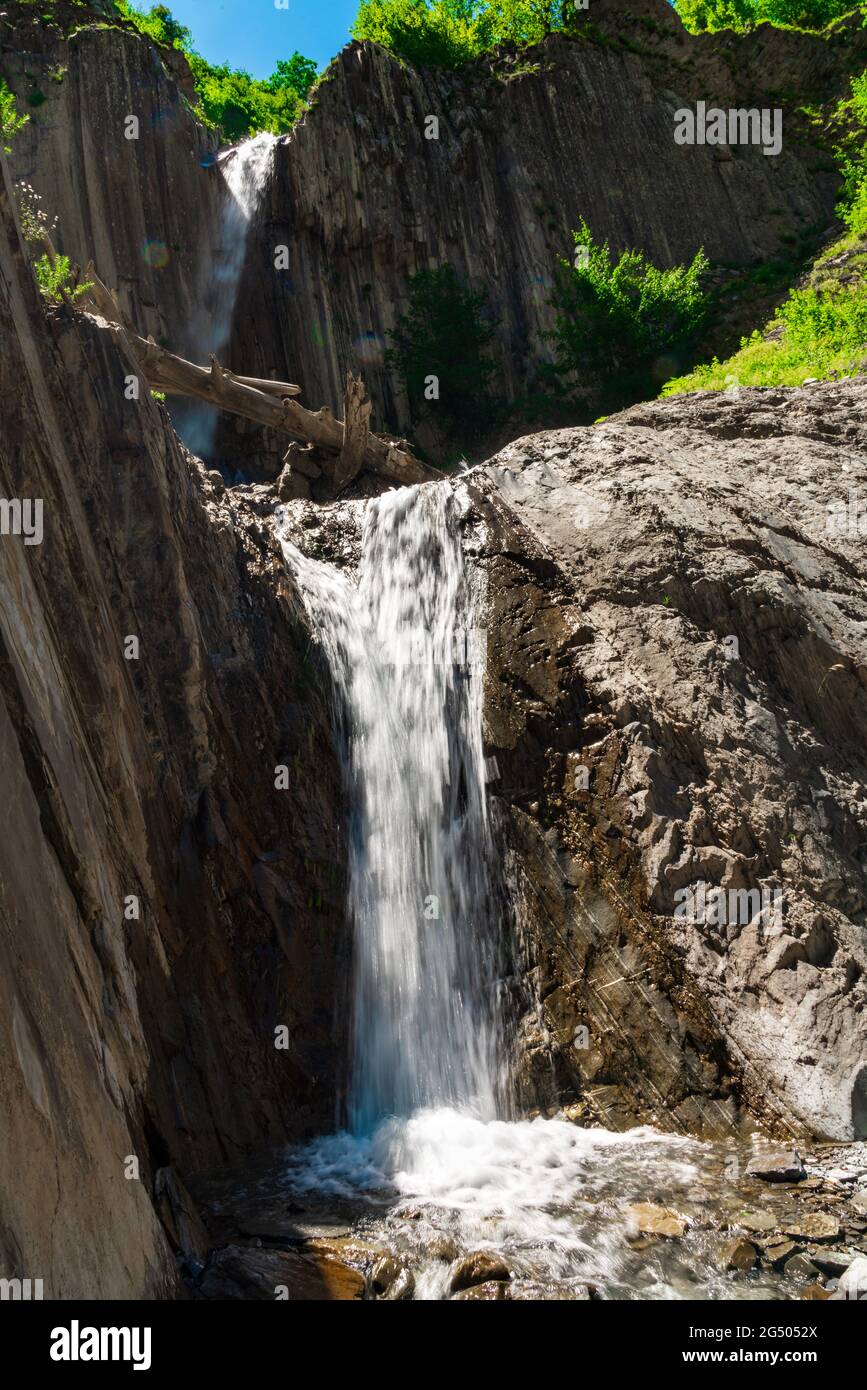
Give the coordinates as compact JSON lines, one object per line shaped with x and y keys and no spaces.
{"x":651,"y":1220}
{"x":479,"y":1267}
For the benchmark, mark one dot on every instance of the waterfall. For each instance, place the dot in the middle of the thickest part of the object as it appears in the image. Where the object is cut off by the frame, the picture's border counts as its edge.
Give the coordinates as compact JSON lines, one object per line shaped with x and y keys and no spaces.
{"x":406,"y":655}
{"x":427,"y":1100}
{"x":245,"y":173}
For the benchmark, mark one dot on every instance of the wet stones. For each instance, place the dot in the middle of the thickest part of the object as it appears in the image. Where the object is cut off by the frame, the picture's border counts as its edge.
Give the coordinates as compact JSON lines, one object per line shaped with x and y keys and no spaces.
{"x":739,"y":1254}
{"x":650,"y":1220}
{"x":814,"y":1225}
{"x":783,"y":1167}
{"x":759,"y":1222}
{"x":479,"y":1267}
{"x":390,"y":1280}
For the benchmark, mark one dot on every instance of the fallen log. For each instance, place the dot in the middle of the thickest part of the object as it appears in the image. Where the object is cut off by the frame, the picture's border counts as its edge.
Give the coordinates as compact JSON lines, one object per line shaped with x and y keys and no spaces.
{"x":268,"y":403}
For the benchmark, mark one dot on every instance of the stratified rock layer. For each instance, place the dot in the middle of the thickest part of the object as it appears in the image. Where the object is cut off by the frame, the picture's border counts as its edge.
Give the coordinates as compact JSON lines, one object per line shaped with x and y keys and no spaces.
{"x":678,"y":665}
{"x":135,"y":1034}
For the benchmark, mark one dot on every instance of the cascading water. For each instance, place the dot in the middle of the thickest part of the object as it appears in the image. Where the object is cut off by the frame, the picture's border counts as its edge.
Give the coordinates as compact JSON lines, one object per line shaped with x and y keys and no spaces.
{"x":406,"y":656}
{"x":245,"y":173}
{"x":428,"y":1096}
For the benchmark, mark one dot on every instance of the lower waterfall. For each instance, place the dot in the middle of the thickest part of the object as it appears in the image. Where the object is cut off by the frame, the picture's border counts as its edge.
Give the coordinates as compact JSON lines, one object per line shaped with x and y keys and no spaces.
{"x":432,"y":1163}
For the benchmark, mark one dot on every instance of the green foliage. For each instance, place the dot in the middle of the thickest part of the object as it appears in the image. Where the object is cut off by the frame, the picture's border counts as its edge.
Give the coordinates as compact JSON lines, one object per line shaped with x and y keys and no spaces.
{"x":820,"y":331}
{"x":701,"y":15}
{"x":852,"y":157}
{"x":297,"y":74}
{"x":615,"y":319}
{"x":230,"y":98}
{"x":158,"y":24}
{"x":55,"y":279}
{"x":10,"y":121}
{"x":447,"y":333}
{"x":449,"y":33}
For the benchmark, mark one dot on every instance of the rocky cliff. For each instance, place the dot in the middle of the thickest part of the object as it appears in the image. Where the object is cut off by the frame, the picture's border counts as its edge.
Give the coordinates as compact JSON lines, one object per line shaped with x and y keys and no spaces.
{"x":164,"y":908}
{"x":526,"y":144}
{"x":676,"y":654}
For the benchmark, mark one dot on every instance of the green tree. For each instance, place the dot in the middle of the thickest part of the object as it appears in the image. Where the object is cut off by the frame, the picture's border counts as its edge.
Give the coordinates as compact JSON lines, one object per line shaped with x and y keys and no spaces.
{"x":614,"y":318}
{"x":230,"y":98}
{"x":296,"y":74}
{"x":701,"y":15}
{"x":450,"y":33}
{"x":447,"y":333}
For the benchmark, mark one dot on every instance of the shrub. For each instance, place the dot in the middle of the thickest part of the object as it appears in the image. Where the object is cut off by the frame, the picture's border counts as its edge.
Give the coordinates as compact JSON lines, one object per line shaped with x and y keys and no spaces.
{"x":852,"y":157}
{"x":615,"y":318}
{"x":449,"y":33}
{"x":10,"y":121}
{"x":447,"y":333}
{"x":54,"y":278}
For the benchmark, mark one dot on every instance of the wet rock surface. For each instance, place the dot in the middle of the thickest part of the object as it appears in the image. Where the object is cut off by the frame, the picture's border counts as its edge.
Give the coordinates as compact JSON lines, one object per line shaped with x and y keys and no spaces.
{"x":164,"y":908}
{"x":676,"y":677}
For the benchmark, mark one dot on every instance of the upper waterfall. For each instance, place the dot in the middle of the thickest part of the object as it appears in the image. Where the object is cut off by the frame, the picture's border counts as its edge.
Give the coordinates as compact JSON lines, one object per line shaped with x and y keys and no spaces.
{"x":245,"y":173}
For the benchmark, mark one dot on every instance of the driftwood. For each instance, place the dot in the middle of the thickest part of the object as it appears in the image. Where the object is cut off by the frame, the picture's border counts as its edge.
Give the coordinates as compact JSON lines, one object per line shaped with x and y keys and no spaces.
{"x":268,"y":403}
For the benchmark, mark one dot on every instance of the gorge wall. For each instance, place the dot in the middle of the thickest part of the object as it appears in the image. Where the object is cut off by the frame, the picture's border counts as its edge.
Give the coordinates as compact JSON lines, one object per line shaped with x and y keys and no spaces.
{"x":154,"y":778}
{"x":150,"y":1036}
{"x":361,"y":199}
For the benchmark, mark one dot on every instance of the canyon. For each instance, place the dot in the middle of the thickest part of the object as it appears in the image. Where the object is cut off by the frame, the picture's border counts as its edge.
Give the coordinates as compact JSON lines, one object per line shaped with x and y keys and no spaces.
{"x":673,"y":690}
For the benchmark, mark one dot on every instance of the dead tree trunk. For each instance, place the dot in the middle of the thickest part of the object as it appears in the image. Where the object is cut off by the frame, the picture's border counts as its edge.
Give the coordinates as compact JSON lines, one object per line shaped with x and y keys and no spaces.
{"x":349,"y":446}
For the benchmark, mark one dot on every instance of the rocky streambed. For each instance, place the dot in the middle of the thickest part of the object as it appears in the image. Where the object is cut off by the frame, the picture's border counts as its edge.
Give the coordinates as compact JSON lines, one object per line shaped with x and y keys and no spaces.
{"x":565,"y":1213}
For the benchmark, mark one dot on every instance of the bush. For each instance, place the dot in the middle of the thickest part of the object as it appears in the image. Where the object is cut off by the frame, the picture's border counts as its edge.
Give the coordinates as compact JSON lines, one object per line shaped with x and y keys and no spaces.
{"x":449,"y":33}
{"x":852,"y":157}
{"x":701,"y":15}
{"x":447,"y":333}
{"x":10,"y":121}
{"x":614,"y":319}
{"x":55,"y":279}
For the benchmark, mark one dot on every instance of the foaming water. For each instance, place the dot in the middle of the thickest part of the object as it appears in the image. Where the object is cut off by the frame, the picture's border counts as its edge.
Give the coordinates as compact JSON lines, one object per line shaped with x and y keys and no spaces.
{"x":550,"y":1199}
{"x":405,"y":653}
{"x":245,"y":175}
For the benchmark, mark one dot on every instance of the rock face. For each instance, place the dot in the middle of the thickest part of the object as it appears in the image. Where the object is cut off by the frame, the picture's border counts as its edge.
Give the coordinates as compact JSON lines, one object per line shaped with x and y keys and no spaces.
{"x":526,"y":145}
{"x":146,"y":209}
{"x":163,"y":907}
{"x":676,"y":698}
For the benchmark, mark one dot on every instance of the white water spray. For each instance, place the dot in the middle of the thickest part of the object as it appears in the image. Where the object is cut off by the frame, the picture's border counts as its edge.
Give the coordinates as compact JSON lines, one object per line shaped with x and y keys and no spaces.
{"x":245,"y":174}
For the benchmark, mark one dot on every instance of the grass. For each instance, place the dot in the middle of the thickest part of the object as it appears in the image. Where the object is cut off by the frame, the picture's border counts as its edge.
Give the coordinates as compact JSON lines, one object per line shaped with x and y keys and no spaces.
{"x":820,"y":331}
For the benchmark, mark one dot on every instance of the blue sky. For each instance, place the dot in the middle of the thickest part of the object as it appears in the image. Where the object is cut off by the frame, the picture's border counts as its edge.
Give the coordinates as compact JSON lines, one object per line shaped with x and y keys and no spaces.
{"x":253,"y":34}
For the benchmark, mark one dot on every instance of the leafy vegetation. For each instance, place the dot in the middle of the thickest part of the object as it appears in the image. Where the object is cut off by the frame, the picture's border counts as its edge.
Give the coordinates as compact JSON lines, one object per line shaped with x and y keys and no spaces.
{"x":852,"y":157}
{"x":441,"y":351}
{"x":449,"y":33}
{"x":230,"y":98}
{"x":616,"y":320}
{"x":701,"y":15}
{"x":10,"y":121}
{"x":56,"y":281}
{"x":820,"y":331}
